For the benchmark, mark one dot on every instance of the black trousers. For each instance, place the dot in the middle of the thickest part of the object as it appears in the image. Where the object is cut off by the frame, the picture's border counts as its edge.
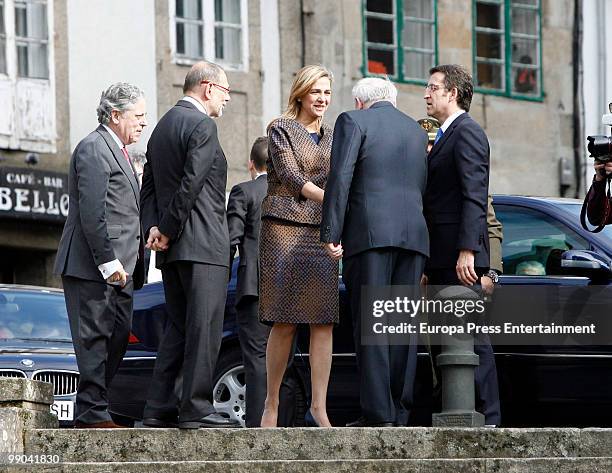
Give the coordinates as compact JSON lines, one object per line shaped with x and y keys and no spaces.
{"x":100,"y":318}
{"x":253,"y":337}
{"x":485,"y":374}
{"x":195,"y":303}
{"x":386,"y":372}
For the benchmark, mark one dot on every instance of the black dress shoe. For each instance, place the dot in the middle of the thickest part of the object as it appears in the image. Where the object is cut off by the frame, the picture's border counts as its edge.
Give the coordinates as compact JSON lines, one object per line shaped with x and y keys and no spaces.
{"x":160,"y":423}
{"x":363,"y":422}
{"x":213,"y":420}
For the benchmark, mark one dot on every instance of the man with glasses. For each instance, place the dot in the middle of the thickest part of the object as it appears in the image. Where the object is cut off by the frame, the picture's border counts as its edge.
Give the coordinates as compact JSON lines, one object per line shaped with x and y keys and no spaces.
{"x":184,"y":220}
{"x":455,"y":206}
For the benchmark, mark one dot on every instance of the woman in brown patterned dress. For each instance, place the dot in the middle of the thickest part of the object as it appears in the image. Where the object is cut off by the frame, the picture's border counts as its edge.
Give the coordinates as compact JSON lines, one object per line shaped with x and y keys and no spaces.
{"x":298,"y":281}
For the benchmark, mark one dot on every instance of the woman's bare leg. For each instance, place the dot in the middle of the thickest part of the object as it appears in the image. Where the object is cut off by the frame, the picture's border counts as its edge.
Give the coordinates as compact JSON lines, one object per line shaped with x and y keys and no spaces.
{"x":277,"y":355}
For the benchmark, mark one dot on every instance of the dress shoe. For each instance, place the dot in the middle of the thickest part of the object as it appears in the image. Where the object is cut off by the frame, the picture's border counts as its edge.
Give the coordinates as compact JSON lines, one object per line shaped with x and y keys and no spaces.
{"x":159,"y":423}
{"x":309,"y":419}
{"x":363,"y":422}
{"x":105,"y":424}
{"x":213,"y":420}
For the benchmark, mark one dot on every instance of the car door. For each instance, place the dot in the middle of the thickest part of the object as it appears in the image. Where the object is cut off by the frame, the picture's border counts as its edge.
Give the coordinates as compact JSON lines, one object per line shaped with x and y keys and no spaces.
{"x":548,"y":385}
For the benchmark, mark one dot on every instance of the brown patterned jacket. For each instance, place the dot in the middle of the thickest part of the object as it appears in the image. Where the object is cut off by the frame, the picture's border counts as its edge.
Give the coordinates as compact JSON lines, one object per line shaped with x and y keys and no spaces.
{"x":293,"y":160}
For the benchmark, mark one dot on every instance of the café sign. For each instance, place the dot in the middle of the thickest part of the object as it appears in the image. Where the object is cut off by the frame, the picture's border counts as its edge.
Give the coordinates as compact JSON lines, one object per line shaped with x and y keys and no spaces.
{"x":33,"y":194}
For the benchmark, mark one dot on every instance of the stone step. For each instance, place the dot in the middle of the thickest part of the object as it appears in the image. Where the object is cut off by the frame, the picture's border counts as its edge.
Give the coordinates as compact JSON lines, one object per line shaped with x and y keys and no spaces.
{"x":468,"y":465}
{"x":168,"y":445}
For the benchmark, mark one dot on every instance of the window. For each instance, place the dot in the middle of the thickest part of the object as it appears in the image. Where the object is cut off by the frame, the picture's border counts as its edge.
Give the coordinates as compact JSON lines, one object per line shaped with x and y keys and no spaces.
{"x":400,"y":38}
{"x":189,"y":29}
{"x":27,"y":85}
{"x":507,"y":47}
{"x":210,"y":29}
{"x":533,"y":242}
{"x":31,"y":39}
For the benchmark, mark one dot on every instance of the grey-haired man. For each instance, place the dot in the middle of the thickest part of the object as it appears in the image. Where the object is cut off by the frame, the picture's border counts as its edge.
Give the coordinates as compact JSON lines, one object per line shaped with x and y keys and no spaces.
{"x":100,"y":252}
{"x":378,"y":165}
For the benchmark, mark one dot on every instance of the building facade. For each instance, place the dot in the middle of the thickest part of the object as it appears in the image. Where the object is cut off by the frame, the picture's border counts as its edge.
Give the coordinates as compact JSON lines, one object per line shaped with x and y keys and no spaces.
{"x":57,"y":55}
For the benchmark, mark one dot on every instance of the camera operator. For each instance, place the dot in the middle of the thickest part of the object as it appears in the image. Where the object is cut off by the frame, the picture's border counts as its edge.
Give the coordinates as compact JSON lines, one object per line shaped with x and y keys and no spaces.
{"x":599,"y":202}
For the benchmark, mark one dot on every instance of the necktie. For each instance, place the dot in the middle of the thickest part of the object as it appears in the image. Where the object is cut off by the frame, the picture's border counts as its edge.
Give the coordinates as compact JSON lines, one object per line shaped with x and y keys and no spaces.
{"x":127,"y":156}
{"x":438,"y":135}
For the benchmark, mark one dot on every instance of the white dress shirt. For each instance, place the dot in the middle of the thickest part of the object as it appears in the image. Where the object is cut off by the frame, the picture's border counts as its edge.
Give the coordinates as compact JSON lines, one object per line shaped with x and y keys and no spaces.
{"x":198,"y":105}
{"x":450,"y":120}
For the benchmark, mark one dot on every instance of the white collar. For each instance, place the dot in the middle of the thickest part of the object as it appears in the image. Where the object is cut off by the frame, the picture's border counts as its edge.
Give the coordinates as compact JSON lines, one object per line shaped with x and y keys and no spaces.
{"x":450,"y":120}
{"x":114,"y":137}
{"x":197,"y":104}
{"x":260,"y":174}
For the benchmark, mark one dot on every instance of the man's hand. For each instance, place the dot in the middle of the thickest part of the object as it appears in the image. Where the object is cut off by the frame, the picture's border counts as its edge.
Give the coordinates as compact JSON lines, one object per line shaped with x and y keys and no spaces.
{"x":157,"y":241}
{"x":333,"y":250}
{"x":487,"y":285}
{"x":465,"y":268}
{"x":602,"y":170}
{"x":119,"y":276}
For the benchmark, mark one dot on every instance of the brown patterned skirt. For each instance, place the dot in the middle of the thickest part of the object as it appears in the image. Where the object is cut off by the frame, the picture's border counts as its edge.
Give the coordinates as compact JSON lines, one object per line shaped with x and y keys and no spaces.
{"x":298,"y":282}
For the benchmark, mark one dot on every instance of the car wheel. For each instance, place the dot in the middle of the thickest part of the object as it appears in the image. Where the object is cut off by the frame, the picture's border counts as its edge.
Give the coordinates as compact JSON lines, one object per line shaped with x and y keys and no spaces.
{"x":229,"y":392}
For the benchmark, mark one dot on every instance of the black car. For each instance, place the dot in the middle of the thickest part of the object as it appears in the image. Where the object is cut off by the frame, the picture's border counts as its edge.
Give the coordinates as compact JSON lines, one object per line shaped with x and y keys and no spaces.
{"x":539,"y":385}
{"x":35,"y":343}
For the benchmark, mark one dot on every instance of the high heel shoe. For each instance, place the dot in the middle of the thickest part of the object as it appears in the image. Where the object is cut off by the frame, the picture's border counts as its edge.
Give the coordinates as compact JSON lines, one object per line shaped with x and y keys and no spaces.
{"x":309,"y":420}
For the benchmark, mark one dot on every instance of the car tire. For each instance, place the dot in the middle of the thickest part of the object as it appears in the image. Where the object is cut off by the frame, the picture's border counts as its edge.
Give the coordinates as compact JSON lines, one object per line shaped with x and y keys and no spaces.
{"x":229,"y":392}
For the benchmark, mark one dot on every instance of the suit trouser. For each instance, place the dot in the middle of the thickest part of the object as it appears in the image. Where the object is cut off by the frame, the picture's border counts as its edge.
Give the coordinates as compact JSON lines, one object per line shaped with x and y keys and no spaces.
{"x":253,"y":337}
{"x":386,"y":372}
{"x":195,"y":304}
{"x":100,"y":317}
{"x":485,"y":374}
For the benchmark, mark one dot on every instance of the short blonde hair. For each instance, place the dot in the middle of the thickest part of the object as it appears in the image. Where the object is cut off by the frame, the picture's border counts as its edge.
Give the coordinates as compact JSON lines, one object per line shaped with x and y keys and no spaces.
{"x":303,"y":82}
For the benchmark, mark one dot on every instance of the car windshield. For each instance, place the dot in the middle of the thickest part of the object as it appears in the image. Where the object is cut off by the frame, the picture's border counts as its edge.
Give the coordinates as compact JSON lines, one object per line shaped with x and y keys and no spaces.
{"x":606,"y":233}
{"x":33,"y":315}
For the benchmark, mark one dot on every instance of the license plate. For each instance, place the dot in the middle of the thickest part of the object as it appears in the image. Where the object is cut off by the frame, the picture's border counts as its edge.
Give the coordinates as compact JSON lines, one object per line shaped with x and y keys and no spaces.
{"x":64,"y":410}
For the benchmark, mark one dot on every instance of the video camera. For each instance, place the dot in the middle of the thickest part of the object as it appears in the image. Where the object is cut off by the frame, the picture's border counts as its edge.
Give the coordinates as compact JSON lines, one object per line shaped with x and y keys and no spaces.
{"x":600,"y":146}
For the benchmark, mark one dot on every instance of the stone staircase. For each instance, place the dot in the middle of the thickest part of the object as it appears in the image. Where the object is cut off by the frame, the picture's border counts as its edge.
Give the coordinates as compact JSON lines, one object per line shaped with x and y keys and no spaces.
{"x":300,"y":450}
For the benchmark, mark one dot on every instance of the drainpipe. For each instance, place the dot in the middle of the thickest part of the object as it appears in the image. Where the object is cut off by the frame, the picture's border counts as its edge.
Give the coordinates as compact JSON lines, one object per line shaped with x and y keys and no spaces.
{"x":577,"y":122}
{"x":303,"y":32}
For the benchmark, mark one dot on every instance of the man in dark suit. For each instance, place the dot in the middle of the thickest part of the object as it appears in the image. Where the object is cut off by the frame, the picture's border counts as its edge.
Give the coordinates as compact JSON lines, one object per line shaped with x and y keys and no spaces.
{"x":378,"y":166}
{"x":455,"y":204}
{"x":184,"y":219}
{"x":244,"y":222}
{"x":100,"y":252}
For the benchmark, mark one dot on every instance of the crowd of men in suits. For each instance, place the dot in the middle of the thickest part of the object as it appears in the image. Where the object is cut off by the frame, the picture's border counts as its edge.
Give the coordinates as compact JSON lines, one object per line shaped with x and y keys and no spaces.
{"x":379,"y":169}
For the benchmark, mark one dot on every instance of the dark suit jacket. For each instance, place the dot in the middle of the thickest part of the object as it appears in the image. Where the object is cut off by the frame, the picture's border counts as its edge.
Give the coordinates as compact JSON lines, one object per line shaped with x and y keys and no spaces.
{"x":103,"y":216}
{"x":373,"y":196}
{"x":244,"y":223}
{"x":456,"y":197}
{"x":183,"y":187}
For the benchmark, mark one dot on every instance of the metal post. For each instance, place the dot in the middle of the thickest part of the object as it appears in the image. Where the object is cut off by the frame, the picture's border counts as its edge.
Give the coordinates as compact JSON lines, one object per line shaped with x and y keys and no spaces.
{"x":457,"y":362}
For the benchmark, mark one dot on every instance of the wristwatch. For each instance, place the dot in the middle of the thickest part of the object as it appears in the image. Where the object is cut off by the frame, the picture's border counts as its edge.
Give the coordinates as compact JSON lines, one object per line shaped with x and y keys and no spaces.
{"x":492,"y":274}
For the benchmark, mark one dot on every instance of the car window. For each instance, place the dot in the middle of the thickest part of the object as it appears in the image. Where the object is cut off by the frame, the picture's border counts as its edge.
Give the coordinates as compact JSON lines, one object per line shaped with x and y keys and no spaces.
{"x":33,"y":315}
{"x":533,"y":242}
{"x":606,"y":233}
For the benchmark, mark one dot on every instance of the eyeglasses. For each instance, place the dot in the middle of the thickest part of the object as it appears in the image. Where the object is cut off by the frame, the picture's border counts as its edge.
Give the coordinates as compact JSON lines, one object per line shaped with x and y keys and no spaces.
{"x":434,"y":87}
{"x":224,"y":89}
